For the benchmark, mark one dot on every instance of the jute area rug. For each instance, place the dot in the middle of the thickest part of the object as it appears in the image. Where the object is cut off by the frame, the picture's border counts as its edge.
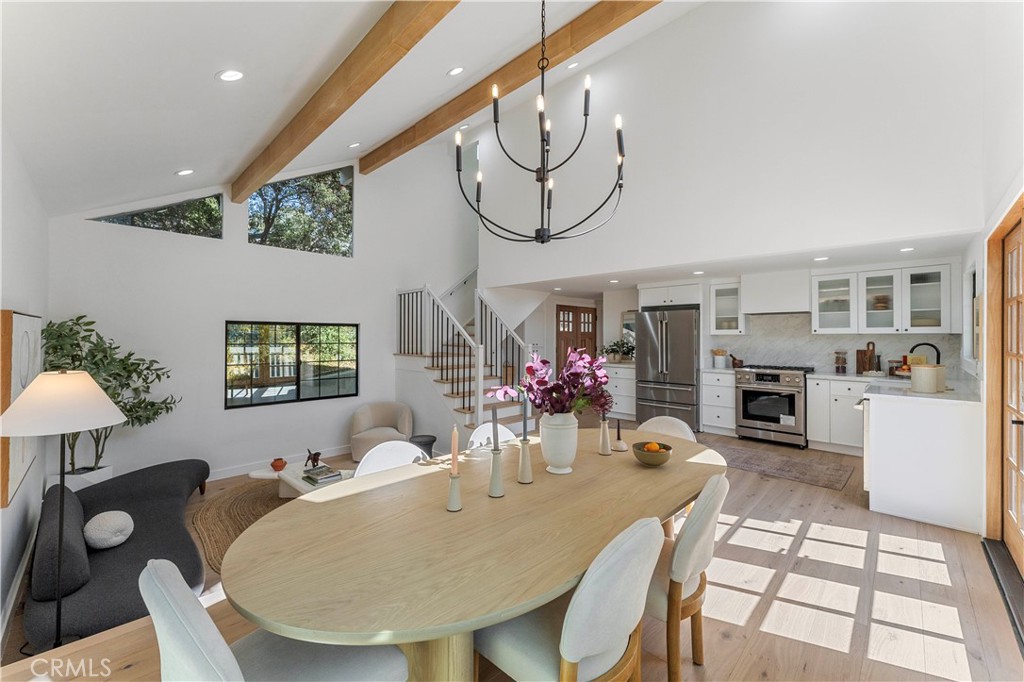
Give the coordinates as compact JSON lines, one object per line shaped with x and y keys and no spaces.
{"x":223,"y":518}
{"x":796,"y":466}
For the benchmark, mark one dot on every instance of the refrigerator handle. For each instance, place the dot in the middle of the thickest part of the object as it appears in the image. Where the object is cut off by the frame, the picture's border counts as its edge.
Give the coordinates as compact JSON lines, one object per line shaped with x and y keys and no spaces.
{"x":665,"y":347}
{"x":661,"y":345}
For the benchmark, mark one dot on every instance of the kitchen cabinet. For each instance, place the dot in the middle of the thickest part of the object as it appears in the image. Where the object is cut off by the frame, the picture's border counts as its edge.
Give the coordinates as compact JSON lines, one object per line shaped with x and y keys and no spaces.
{"x":834,"y":304}
{"x":775,"y":292}
{"x":819,"y":406}
{"x":906,"y":301}
{"x":622,"y":387}
{"x":725,"y":309}
{"x":681,"y":294}
{"x":881,"y":295}
{"x":846,"y":424}
{"x":718,"y":400}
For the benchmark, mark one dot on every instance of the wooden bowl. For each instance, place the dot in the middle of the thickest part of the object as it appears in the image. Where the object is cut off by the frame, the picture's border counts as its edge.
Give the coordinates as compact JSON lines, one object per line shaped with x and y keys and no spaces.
{"x":651,"y":459}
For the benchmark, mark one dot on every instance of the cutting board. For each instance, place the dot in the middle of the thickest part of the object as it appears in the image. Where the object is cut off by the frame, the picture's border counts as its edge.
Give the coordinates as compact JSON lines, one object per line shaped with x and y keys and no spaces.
{"x":866,"y":358}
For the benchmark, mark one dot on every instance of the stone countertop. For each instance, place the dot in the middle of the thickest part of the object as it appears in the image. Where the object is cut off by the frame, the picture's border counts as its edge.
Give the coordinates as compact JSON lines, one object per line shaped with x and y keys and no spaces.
{"x":832,"y":376}
{"x":962,"y":389}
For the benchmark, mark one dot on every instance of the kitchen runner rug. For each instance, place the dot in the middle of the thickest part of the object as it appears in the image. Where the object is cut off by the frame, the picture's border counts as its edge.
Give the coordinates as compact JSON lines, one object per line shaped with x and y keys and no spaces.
{"x":223,"y":517}
{"x":797,"y":466}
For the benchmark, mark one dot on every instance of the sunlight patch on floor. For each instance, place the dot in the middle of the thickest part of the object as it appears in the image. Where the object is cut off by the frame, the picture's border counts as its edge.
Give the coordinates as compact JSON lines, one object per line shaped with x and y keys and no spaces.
{"x":917,"y":614}
{"x":791,"y":527}
{"x":821,"y":628}
{"x":759,"y":539}
{"x":818,"y":592}
{"x":841,"y":534}
{"x":910,"y":567}
{"x":842,"y":555}
{"x":923,"y":549}
{"x":728,"y":605}
{"x":739,"y":574}
{"x":922,"y":653}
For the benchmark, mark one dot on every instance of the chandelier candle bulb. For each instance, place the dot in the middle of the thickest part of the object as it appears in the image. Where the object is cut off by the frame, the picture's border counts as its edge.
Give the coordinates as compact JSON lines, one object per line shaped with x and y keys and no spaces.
{"x":551,"y":191}
{"x":547,"y":132}
{"x":479,"y":185}
{"x":586,"y":96}
{"x":618,"y":136}
{"x":458,"y":152}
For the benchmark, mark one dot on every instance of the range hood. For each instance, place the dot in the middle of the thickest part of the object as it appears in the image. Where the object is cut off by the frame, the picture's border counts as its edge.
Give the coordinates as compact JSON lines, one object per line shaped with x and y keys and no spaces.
{"x":776,"y":292}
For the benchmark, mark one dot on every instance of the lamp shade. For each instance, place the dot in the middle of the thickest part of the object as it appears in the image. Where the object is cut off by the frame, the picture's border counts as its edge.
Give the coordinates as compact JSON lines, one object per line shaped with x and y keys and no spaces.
{"x":60,"y":402}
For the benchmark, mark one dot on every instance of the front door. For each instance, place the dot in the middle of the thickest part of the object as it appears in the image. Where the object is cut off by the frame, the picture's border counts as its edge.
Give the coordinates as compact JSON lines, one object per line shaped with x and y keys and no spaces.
{"x":1013,"y":388}
{"x":575,"y":327}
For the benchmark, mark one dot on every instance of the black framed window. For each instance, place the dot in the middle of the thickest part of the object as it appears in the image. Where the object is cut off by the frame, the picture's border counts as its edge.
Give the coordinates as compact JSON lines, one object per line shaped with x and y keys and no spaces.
{"x":278,"y":362}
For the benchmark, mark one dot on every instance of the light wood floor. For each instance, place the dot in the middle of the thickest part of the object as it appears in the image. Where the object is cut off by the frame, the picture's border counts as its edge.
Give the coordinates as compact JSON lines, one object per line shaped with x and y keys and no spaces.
{"x":807,"y":584}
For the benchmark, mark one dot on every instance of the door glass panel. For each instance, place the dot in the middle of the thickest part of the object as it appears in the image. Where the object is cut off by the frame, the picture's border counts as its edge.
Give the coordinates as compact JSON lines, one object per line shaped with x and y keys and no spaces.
{"x":879,"y":301}
{"x":834,"y":303}
{"x":1014,"y":444}
{"x":1011,"y":383}
{"x":1013,"y":506}
{"x":926,"y":299}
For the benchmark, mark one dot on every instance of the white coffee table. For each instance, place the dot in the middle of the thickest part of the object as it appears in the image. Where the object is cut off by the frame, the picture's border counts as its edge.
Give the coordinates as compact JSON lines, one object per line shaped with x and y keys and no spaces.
{"x":290,"y":483}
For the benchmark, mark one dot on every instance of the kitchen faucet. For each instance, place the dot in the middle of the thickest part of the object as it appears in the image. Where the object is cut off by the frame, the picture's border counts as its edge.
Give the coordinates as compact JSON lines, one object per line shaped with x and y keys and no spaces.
{"x":938,"y":355}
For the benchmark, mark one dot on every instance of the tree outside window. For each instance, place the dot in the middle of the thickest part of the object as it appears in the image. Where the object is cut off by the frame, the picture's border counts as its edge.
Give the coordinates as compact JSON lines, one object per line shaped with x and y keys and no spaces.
{"x":312,"y":213}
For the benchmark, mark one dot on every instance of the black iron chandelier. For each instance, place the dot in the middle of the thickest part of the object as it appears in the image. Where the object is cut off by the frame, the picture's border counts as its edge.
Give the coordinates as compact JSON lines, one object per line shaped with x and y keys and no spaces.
{"x":544,"y":234}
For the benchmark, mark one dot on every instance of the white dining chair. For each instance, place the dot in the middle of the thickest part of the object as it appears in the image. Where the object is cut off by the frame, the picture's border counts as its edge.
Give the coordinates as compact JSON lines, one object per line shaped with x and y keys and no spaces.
{"x":388,"y":455}
{"x":592,"y":633}
{"x":677,"y":587}
{"x":482,"y":435}
{"x":193,"y":650}
{"x":669,"y":426}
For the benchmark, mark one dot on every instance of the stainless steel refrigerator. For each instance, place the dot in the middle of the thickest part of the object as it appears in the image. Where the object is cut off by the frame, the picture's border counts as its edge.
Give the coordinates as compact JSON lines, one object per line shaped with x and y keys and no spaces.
{"x":667,"y":342}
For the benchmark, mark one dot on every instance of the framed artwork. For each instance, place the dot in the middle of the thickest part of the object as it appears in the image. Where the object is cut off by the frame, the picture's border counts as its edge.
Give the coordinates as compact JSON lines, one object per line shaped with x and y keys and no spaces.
{"x":21,"y":359}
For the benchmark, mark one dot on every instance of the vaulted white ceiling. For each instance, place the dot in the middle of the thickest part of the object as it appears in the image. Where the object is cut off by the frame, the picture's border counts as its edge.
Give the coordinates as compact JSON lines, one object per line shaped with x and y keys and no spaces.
{"x":106,"y":100}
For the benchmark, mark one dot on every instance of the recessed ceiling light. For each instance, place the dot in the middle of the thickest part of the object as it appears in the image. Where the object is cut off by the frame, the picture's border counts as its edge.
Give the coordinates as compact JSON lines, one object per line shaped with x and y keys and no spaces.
{"x":698,"y":272}
{"x":463,"y":126}
{"x":558,"y":288}
{"x":230,"y":75}
{"x":456,"y":71}
{"x":613,"y":281}
{"x":353,"y":145}
{"x":907,"y":248}
{"x":184,"y":171}
{"x":821,"y":258}
{"x":573,"y":65}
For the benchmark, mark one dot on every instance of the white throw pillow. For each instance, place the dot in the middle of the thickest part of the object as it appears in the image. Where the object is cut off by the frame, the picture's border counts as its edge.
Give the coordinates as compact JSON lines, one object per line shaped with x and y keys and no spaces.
{"x":108,"y":529}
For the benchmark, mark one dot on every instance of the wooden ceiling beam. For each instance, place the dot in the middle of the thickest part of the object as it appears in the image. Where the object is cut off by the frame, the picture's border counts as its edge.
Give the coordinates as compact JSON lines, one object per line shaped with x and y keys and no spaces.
{"x":403,"y":25}
{"x":582,"y":32}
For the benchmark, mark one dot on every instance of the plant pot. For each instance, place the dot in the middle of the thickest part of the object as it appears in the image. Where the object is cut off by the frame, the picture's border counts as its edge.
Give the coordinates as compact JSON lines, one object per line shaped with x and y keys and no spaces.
{"x":614,"y":357}
{"x":81,"y":478}
{"x":559,"y":434}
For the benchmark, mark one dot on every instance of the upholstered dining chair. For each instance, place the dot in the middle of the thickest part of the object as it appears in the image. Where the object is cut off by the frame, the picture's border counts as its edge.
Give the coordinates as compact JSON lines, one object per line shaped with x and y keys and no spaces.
{"x":376,"y":423}
{"x":193,"y":650}
{"x":482,"y":435}
{"x":677,"y":587}
{"x":590,"y":634}
{"x":388,"y":455}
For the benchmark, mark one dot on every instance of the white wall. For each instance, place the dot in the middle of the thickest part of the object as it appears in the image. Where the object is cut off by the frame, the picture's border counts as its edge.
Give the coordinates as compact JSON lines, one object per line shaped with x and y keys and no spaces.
{"x":759,"y":128}
{"x":167,"y":297}
{"x":23,"y":287}
{"x":614,"y":303}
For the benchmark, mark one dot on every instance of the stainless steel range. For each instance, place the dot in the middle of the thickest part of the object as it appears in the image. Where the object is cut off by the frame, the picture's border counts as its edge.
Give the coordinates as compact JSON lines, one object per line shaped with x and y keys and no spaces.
{"x":770,"y":403}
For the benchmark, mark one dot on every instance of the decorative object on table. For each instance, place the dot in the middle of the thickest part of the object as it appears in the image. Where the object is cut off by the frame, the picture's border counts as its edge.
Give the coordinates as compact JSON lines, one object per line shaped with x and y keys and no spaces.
{"x":321,"y":475}
{"x":62,"y":402}
{"x":495,"y":439}
{"x":312,"y":459}
{"x":278,"y":464}
{"x":652,"y":453}
{"x":840,"y":362}
{"x":736,"y":362}
{"x":455,"y":450}
{"x":543,"y":170}
{"x":620,"y":351}
{"x":126,"y":378}
{"x":579,"y":385}
{"x":497,"y":485}
{"x":454,"y":493}
{"x":525,"y":462}
{"x":719,"y":358}
{"x":604,"y":443}
{"x":619,"y":445}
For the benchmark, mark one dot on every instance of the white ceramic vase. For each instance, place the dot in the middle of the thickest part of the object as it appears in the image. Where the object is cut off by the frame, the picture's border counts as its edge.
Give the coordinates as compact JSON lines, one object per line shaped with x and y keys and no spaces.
{"x":558,"y":437}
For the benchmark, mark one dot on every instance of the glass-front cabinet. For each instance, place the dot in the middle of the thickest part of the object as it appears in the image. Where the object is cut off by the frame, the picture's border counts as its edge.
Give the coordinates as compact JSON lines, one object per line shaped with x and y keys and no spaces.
{"x":926,"y":300}
{"x":880,"y":295}
{"x":725,"y":309}
{"x":834,"y":304}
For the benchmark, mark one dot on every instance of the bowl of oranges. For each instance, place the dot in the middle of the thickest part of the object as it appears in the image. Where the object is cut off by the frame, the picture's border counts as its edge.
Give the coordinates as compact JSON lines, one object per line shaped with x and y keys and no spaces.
{"x":652,"y":453}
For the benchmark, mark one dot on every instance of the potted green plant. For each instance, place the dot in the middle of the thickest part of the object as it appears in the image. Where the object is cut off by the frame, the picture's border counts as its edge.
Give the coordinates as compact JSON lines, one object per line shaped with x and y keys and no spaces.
{"x":619,"y":350}
{"x":127,"y":378}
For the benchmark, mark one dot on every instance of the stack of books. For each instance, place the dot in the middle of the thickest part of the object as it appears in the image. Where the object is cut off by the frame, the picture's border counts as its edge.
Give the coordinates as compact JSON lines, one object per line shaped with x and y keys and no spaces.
{"x":321,"y":475}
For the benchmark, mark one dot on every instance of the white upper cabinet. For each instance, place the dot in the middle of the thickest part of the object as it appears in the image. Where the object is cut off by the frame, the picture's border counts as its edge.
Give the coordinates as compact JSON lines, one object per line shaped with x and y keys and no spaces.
{"x":834,"y":304}
{"x":681,"y":294}
{"x":775,"y":292}
{"x":926,"y":300}
{"x":880,"y":310}
{"x":725,"y":309}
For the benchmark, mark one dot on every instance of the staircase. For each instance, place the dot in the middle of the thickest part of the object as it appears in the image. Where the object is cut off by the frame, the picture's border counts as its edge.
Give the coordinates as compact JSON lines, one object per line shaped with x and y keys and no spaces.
{"x":463,"y":361}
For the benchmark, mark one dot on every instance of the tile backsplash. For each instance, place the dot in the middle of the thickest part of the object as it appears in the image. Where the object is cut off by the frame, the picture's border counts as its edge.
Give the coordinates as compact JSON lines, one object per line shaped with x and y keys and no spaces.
{"x":786,"y":339}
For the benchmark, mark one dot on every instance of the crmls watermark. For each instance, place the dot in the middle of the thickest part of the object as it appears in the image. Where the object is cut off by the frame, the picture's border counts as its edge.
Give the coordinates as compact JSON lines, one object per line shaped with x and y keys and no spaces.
{"x":61,"y":667}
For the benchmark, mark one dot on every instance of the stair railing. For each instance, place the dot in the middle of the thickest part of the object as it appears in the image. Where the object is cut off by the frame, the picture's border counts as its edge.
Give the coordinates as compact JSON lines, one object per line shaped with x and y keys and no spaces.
{"x":500,"y":346}
{"x":452,"y":351}
{"x":410,"y":322}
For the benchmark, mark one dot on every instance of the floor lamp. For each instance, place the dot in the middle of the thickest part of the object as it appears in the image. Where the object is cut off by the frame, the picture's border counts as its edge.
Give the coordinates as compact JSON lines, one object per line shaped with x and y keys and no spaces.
{"x":60,"y":403}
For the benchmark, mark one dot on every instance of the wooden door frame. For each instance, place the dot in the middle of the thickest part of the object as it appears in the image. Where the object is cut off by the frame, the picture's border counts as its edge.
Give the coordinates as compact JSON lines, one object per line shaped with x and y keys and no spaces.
{"x":994,"y":370}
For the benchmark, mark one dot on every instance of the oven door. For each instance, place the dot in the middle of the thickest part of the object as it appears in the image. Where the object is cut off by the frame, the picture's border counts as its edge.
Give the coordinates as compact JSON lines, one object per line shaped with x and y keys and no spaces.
{"x":771,"y":409}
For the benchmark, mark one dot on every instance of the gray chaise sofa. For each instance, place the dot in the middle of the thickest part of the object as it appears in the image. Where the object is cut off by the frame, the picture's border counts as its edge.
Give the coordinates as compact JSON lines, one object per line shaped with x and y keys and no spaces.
{"x":101,"y":587}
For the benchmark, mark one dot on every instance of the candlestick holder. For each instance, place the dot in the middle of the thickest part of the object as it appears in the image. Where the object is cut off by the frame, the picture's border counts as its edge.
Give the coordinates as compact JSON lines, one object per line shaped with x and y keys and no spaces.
{"x":619,"y":445}
{"x":497,"y":487}
{"x":604,"y":444}
{"x":454,"y":493}
{"x":525,"y":463}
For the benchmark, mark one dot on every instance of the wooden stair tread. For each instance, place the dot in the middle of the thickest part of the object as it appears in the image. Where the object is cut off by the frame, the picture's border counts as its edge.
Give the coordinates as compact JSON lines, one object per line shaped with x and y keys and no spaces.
{"x":459,"y":379}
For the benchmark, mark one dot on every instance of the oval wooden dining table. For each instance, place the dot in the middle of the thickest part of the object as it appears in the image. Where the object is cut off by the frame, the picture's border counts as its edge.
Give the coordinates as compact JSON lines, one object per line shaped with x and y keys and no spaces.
{"x":380,"y":560}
